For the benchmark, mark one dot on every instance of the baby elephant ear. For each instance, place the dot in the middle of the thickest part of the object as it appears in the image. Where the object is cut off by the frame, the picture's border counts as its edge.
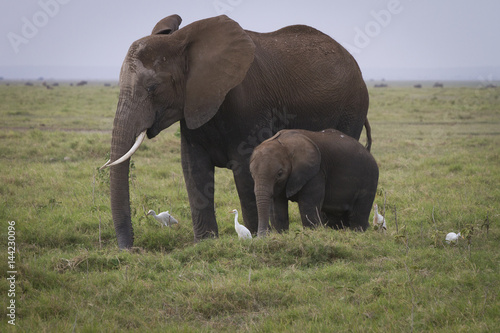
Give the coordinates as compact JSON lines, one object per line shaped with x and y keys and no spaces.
{"x":306,"y":160}
{"x":167,"y":25}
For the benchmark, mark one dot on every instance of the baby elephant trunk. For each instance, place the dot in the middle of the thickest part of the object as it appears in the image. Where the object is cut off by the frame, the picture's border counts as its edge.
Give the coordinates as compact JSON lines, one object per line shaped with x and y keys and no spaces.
{"x":263,"y":198}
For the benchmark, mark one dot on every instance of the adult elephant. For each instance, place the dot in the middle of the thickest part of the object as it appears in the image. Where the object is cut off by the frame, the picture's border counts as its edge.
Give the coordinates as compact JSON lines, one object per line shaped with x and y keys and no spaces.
{"x":230,"y":89}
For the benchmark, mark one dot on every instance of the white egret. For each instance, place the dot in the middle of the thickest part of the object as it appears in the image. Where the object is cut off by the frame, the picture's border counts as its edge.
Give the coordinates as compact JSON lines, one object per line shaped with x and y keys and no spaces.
{"x":378,"y":220}
{"x":164,"y":218}
{"x":452,"y":237}
{"x":243,"y":232}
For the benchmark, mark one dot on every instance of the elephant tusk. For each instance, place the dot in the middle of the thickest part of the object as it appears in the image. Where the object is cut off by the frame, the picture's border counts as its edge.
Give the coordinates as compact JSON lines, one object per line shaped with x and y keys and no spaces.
{"x":132,"y":150}
{"x":105,"y":165}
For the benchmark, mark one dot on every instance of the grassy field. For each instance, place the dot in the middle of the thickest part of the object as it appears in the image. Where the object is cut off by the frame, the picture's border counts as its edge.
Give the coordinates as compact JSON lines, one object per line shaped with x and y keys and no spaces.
{"x":438,"y":153}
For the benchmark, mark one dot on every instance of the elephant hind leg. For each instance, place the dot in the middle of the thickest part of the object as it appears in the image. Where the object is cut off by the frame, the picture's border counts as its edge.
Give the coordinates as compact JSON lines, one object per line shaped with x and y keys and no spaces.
{"x":358,"y":218}
{"x":337,"y":221}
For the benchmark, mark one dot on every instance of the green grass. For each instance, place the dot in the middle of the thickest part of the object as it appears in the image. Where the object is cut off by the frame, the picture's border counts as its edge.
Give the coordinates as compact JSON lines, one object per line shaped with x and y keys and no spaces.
{"x":438,"y":155}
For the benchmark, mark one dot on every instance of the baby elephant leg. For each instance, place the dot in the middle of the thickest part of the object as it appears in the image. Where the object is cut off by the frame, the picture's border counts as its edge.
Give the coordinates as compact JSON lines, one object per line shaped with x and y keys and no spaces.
{"x":279,"y":213}
{"x":337,"y":221}
{"x":310,"y":200}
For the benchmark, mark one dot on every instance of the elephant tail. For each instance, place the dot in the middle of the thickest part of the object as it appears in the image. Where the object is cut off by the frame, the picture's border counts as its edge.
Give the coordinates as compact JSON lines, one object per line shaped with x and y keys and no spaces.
{"x":368,"y":135}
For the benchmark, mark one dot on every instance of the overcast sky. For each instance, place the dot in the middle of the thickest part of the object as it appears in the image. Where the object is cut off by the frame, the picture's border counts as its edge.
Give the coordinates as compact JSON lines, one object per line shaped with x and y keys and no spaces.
{"x":392,"y":37}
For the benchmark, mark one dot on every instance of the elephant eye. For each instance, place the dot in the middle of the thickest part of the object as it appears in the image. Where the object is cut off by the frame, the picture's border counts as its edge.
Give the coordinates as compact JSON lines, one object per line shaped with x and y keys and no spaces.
{"x":152,"y":88}
{"x":280,"y":172}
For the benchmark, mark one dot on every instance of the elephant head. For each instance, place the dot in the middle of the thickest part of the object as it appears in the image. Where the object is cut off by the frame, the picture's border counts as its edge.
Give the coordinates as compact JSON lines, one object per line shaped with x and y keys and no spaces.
{"x":169,"y":76}
{"x":281,"y":165}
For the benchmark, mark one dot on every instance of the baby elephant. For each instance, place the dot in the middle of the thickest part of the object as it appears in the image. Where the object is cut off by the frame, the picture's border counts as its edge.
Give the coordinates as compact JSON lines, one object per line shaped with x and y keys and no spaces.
{"x":331,"y":176}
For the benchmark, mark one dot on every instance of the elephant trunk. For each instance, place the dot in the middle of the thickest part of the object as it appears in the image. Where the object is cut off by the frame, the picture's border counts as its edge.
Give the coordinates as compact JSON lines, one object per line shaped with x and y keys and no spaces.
{"x":120,"y":205}
{"x":263,"y":198}
{"x":122,"y":140}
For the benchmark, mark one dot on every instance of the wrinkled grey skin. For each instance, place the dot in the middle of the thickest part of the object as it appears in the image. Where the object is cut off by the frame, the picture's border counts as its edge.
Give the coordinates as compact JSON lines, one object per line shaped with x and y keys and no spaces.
{"x":230,"y":89}
{"x":331,"y":176}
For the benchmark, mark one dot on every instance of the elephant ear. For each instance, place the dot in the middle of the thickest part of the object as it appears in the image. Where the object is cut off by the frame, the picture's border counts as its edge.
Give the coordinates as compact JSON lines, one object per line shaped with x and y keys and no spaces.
{"x":219,"y":53}
{"x":305,"y":159}
{"x":167,"y":25}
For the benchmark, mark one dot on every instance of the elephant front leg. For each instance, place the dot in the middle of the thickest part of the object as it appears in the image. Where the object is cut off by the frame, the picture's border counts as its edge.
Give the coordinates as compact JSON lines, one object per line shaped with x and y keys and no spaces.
{"x":245,"y":187}
{"x":279,"y":213}
{"x":199,"y":177}
{"x":310,"y":200}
